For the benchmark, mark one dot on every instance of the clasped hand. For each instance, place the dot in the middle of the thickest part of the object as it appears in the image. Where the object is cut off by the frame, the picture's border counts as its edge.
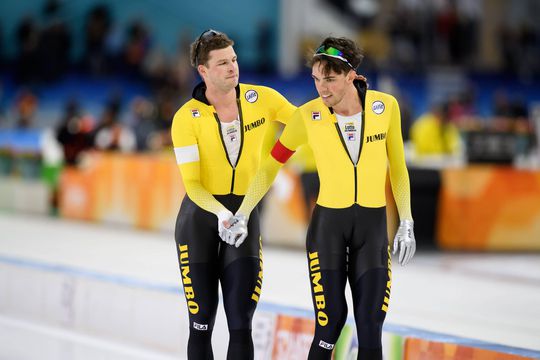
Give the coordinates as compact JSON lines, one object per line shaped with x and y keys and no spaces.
{"x":233,"y":230}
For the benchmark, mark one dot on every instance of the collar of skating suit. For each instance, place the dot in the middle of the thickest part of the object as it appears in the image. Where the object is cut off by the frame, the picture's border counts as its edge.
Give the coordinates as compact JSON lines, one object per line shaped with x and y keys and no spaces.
{"x":361,"y":87}
{"x":199,"y":93}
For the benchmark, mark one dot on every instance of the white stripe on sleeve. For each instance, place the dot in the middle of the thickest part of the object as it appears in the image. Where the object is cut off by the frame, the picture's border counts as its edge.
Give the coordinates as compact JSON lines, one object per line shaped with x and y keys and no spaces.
{"x":186,"y":154}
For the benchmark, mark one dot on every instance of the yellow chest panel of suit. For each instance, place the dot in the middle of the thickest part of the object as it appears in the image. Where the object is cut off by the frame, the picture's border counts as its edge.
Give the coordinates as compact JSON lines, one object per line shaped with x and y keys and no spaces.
{"x":258,"y":106}
{"x":344,"y":183}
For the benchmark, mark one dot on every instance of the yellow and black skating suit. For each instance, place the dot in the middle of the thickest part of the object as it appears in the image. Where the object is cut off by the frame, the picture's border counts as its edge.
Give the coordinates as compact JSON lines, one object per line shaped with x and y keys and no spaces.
{"x":200,"y":150}
{"x":344,"y":183}
{"x":347,"y":238}
{"x":212,"y":185}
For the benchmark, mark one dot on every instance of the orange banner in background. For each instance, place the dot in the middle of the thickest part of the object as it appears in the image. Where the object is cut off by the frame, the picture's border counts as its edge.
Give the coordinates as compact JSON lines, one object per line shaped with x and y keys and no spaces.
{"x":420,"y":349}
{"x":489,"y":208}
{"x":293,"y":337}
{"x":140,"y":190}
{"x":76,"y":195}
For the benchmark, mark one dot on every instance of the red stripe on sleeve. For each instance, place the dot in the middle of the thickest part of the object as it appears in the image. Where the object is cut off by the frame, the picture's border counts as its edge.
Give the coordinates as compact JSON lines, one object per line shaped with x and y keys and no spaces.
{"x":281,"y":153}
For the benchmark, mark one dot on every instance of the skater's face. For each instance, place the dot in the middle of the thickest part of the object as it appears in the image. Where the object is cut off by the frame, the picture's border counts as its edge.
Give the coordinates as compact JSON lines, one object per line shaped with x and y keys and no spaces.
{"x":221,"y":69}
{"x":331,"y":86}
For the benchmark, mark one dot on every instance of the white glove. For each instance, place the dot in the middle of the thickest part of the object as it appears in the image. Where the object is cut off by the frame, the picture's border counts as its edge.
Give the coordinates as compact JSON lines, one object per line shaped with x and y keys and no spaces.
{"x":238,"y":230}
{"x":225,"y":217}
{"x":405,"y":241}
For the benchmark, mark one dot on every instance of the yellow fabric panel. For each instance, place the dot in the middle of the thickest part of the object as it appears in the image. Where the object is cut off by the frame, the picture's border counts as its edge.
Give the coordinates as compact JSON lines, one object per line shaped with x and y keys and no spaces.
{"x":196,"y":123}
{"x":282,"y":109}
{"x":260,"y":185}
{"x":303,"y":160}
{"x":343,"y":184}
{"x":336,"y":172}
{"x":399,"y":176}
{"x":183,"y":134}
{"x":294,"y":133}
{"x":381,"y":144}
{"x":293,"y":136}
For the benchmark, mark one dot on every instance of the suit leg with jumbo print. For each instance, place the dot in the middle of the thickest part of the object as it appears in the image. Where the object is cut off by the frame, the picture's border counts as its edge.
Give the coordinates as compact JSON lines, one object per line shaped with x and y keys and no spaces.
{"x":241,"y":283}
{"x":197,"y":244}
{"x":370,"y":279}
{"x":327,"y":259}
{"x":205,"y":260}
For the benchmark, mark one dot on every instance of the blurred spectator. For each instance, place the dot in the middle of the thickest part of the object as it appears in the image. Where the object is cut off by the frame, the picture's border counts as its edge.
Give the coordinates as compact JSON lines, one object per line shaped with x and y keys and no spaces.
{"x":434,"y":134}
{"x":55,"y":44}
{"x":461,"y":107}
{"x":74,"y":133}
{"x":3,"y":120}
{"x":110,"y":134}
{"x":136,"y":47}
{"x":447,"y":30}
{"x":512,"y":116}
{"x":435,"y":32}
{"x":98,"y":24}
{"x":182,"y":71}
{"x":171,"y":78}
{"x":470,"y":14}
{"x":519,"y":39}
{"x":263,"y":44}
{"x":27,"y":61}
{"x":158,"y":70}
{"x":2,"y":60}
{"x":167,"y":105}
{"x":501,"y":104}
{"x":360,"y":12}
{"x":410,"y":30}
{"x":142,"y":121}
{"x":26,"y":105}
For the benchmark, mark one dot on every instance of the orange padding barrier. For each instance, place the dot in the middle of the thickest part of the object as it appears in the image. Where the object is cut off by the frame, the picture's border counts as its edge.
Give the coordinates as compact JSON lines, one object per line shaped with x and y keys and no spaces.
{"x":419,"y":349}
{"x":140,"y":190}
{"x":489,"y":208}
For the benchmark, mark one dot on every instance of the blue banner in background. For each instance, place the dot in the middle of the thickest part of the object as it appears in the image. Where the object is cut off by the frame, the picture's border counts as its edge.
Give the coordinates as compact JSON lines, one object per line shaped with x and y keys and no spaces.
{"x":21,"y":141}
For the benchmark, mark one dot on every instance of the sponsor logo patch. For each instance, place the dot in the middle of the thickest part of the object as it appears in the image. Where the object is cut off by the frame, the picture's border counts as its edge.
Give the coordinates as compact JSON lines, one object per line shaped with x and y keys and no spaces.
{"x":376,"y":137}
{"x":350,"y":127}
{"x":195,"y":113}
{"x":201,"y":327}
{"x":254,"y":124}
{"x":326,"y":345}
{"x":232,"y":133}
{"x":377,"y":107}
{"x":315,"y":115}
{"x":251,"y":96}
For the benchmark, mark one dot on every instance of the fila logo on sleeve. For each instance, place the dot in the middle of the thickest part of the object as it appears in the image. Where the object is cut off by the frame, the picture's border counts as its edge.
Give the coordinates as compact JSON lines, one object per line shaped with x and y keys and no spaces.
{"x":326,"y":345}
{"x":200,"y":327}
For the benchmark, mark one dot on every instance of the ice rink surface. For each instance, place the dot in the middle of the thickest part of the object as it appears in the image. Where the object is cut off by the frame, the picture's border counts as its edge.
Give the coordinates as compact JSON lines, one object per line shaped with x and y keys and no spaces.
{"x":487,"y":297}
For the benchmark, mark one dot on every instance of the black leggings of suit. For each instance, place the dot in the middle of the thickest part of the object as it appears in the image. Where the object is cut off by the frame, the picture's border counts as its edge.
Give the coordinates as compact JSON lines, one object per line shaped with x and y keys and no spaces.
{"x":205,"y":260}
{"x":348,"y":244}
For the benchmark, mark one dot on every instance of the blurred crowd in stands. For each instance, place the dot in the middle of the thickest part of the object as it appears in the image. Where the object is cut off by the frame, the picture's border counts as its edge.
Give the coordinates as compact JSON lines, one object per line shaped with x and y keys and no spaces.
{"x":44,"y":57}
{"x":414,"y":36}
